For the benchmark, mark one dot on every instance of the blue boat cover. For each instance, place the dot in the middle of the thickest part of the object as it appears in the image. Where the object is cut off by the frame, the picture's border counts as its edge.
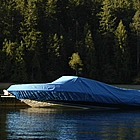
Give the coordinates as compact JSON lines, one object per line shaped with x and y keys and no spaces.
{"x":73,"y":88}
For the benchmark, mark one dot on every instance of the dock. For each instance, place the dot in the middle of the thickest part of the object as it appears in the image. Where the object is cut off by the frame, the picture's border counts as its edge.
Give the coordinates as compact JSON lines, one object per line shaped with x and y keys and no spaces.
{"x":11,"y":101}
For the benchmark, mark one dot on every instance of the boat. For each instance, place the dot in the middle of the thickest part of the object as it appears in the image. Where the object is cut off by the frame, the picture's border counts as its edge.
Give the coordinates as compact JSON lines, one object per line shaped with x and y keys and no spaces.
{"x":74,"y":91}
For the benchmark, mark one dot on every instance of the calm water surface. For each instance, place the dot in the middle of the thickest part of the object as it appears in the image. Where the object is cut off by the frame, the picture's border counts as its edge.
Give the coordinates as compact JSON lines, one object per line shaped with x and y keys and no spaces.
{"x":68,"y":124}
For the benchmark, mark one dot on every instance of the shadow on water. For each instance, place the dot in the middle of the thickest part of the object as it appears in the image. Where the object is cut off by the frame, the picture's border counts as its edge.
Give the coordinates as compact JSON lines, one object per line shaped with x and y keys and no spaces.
{"x":61,"y":124}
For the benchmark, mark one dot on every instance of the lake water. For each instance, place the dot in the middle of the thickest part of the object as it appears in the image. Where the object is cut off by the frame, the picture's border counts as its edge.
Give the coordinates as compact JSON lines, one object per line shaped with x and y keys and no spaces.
{"x":68,"y":124}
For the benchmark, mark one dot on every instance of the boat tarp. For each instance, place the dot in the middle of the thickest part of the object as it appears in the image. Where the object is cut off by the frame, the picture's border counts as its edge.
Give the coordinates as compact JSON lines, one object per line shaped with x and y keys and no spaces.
{"x":98,"y":91}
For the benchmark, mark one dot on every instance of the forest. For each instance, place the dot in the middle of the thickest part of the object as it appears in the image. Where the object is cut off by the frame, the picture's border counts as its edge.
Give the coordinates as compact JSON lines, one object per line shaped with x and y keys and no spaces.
{"x":41,"y":40}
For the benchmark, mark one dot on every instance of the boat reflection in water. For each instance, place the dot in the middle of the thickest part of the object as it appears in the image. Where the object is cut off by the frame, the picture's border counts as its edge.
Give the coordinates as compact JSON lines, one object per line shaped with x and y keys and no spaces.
{"x":61,"y":124}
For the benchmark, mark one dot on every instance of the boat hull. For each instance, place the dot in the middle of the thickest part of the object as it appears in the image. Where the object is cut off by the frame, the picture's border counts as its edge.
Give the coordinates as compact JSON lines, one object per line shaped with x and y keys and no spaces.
{"x":50,"y":104}
{"x":78,"y":105}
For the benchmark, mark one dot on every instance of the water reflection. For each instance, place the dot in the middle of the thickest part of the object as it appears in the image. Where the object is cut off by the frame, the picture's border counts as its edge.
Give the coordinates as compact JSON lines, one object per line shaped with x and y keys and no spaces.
{"x":61,"y":124}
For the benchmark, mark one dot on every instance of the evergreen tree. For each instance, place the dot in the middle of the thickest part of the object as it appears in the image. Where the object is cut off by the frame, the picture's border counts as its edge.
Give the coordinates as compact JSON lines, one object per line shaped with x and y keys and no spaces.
{"x":37,"y":38}
{"x":9,"y":62}
{"x":105,"y":50}
{"x":122,"y":54}
{"x":9,"y":25}
{"x":136,"y":4}
{"x":123,"y":10}
{"x":20,"y":72}
{"x":135,"y":26}
{"x":89,"y":61}
{"x":31,"y":38}
{"x":55,"y":63}
{"x":107,"y":18}
{"x":2,"y":60}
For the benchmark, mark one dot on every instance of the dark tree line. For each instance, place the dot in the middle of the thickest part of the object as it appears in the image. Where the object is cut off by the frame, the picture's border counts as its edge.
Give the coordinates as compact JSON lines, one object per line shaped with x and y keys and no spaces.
{"x":41,"y":40}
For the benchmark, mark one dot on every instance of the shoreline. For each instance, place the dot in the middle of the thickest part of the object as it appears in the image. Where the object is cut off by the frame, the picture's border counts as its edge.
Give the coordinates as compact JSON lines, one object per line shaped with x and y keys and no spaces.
{"x":137,"y":87}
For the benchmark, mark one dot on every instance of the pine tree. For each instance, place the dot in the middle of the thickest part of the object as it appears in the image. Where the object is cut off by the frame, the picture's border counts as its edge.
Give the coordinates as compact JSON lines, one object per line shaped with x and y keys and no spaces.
{"x":20,"y":69}
{"x":123,"y":10}
{"x":9,"y":62}
{"x":55,"y":61}
{"x":136,"y":4}
{"x":89,"y":60}
{"x":9,"y":18}
{"x":105,"y":50}
{"x":107,"y":18}
{"x":31,"y":38}
{"x":136,"y":28}
{"x":122,"y":54}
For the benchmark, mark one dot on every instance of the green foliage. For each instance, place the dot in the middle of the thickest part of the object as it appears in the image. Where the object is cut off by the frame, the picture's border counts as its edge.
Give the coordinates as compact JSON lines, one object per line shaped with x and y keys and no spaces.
{"x":38,"y":39}
{"x":135,"y":26}
{"x":14,"y":62}
{"x":121,"y":36}
{"x":136,"y":22}
{"x":122,"y":54}
{"x":75,"y":62}
{"x":107,"y":18}
{"x":90,"y":68}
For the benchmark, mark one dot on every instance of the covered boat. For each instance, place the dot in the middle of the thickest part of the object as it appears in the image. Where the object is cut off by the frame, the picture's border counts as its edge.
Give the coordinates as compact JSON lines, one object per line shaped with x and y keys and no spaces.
{"x":75,"y":91}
